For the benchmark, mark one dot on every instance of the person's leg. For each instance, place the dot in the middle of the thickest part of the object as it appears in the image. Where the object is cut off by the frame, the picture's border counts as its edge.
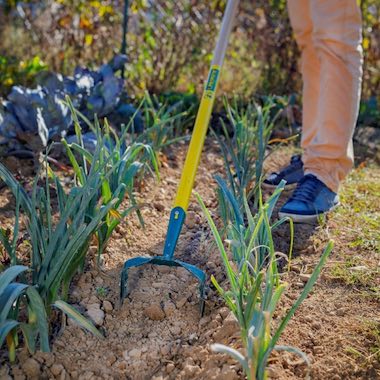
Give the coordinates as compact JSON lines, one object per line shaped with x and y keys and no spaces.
{"x":302,"y":24}
{"x":328,"y":152}
{"x":300,"y":18}
{"x":331,"y":70}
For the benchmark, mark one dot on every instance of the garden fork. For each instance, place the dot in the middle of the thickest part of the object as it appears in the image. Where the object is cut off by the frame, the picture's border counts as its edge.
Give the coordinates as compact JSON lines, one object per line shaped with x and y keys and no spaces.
{"x":178,"y":212}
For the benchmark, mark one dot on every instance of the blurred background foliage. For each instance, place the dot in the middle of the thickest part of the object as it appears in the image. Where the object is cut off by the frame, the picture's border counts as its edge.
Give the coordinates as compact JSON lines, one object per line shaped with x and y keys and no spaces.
{"x":170,"y":44}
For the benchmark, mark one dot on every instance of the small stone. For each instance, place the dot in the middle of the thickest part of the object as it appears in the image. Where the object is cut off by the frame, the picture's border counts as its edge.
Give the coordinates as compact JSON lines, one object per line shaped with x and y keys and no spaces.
{"x":63,"y":375}
{"x":96,"y":314}
{"x":228,"y":373}
{"x":31,"y":367}
{"x":192,"y":338}
{"x":340,"y":312}
{"x":191,"y":219}
{"x":46,"y":358}
{"x":135,"y":353}
{"x":4,"y":373}
{"x":164,"y":269}
{"x":122,"y":365}
{"x":56,"y":369}
{"x":316,"y":325}
{"x":230,"y":327}
{"x":21,"y":377}
{"x":159,"y":206}
{"x":203,"y":321}
{"x":190,"y":371}
{"x":308,"y":319}
{"x":165,"y":350}
{"x":17,"y":373}
{"x":170,"y":367}
{"x":154,"y":312}
{"x":304,"y":277}
{"x":111,"y":359}
{"x":169,"y":308}
{"x":317,"y":350}
{"x":181,"y":302}
{"x":224,"y":311}
{"x":273,"y":372}
{"x":158,"y":285}
{"x":107,"y":306}
{"x":175,"y":330}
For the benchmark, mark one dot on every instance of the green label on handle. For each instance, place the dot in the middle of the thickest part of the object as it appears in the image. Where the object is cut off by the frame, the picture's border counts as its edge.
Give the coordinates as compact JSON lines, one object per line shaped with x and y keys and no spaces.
{"x":212,"y":80}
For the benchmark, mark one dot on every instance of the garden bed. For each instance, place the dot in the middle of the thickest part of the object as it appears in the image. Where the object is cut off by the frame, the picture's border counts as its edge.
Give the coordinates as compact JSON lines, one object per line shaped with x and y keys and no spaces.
{"x":158,"y":332}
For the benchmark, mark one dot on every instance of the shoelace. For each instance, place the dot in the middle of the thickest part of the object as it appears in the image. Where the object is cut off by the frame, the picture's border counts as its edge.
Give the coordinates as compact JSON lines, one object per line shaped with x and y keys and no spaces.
{"x":295,"y":163}
{"x":307,"y":189}
{"x":295,"y":159}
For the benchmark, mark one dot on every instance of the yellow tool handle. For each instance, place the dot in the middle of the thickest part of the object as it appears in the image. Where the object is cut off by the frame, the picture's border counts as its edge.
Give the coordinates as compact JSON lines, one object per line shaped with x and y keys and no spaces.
{"x":205,"y":109}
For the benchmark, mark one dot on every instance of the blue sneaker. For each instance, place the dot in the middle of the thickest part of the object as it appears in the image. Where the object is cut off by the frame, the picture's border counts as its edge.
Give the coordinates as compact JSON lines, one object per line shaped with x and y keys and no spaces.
{"x":292,"y":173}
{"x":310,"y":200}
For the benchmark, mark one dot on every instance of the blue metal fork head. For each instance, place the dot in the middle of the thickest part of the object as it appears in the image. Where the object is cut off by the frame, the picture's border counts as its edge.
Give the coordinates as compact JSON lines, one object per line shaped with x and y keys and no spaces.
{"x":162,"y":260}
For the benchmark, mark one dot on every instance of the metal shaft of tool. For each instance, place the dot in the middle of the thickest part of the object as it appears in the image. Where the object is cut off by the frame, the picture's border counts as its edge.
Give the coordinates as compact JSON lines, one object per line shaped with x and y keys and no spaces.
{"x":123,"y":49}
{"x":178,"y":213}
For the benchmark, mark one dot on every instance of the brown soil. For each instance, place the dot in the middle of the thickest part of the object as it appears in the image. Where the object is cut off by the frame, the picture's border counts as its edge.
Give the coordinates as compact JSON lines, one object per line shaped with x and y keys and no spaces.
{"x":158,"y":333}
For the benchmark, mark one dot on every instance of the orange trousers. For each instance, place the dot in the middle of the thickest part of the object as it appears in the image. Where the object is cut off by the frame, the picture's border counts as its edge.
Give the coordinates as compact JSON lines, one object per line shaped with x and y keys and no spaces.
{"x":329,"y":34}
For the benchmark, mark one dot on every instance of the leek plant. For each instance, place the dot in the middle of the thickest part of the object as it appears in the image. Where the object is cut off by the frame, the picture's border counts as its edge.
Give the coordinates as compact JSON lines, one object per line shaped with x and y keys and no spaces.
{"x":165,"y":124}
{"x":56,"y":251}
{"x":244,"y":149}
{"x":255,"y":286}
{"x":239,"y":226}
{"x":117,"y":166}
{"x":16,"y":296}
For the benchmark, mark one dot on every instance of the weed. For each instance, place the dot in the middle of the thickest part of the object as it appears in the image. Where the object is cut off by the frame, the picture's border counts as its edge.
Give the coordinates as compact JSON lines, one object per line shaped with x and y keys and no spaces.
{"x":360,"y":210}
{"x":353,"y":272}
{"x":102,"y":292}
{"x":374,"y":336}
{"x":370,"y":353}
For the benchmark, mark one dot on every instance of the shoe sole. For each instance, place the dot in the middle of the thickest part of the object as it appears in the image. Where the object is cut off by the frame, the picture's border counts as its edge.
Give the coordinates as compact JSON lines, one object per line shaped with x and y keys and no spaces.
{"x":268,"y":186}
{"x":307,"y":219}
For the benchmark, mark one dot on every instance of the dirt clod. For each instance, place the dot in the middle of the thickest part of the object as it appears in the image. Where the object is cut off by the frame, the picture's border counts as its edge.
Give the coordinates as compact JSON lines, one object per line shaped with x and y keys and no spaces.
{"x":96,"y":313}
{"x":190,"y":371}
{"x":170,"y":367}
{"x":169,"y":308}
{"x":191,"y":219}
{"x":31,"y":368}
{"x":340,"y":312}
{"x":159,"y":206}
{"x":154,"y":312}
{"x":317,"y":350}
{"x":56,"y":369}
{"x":135,"y":353}
{"x":230,"y":327}
{"x":228,"y":373}
{"x":107,"y":306}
